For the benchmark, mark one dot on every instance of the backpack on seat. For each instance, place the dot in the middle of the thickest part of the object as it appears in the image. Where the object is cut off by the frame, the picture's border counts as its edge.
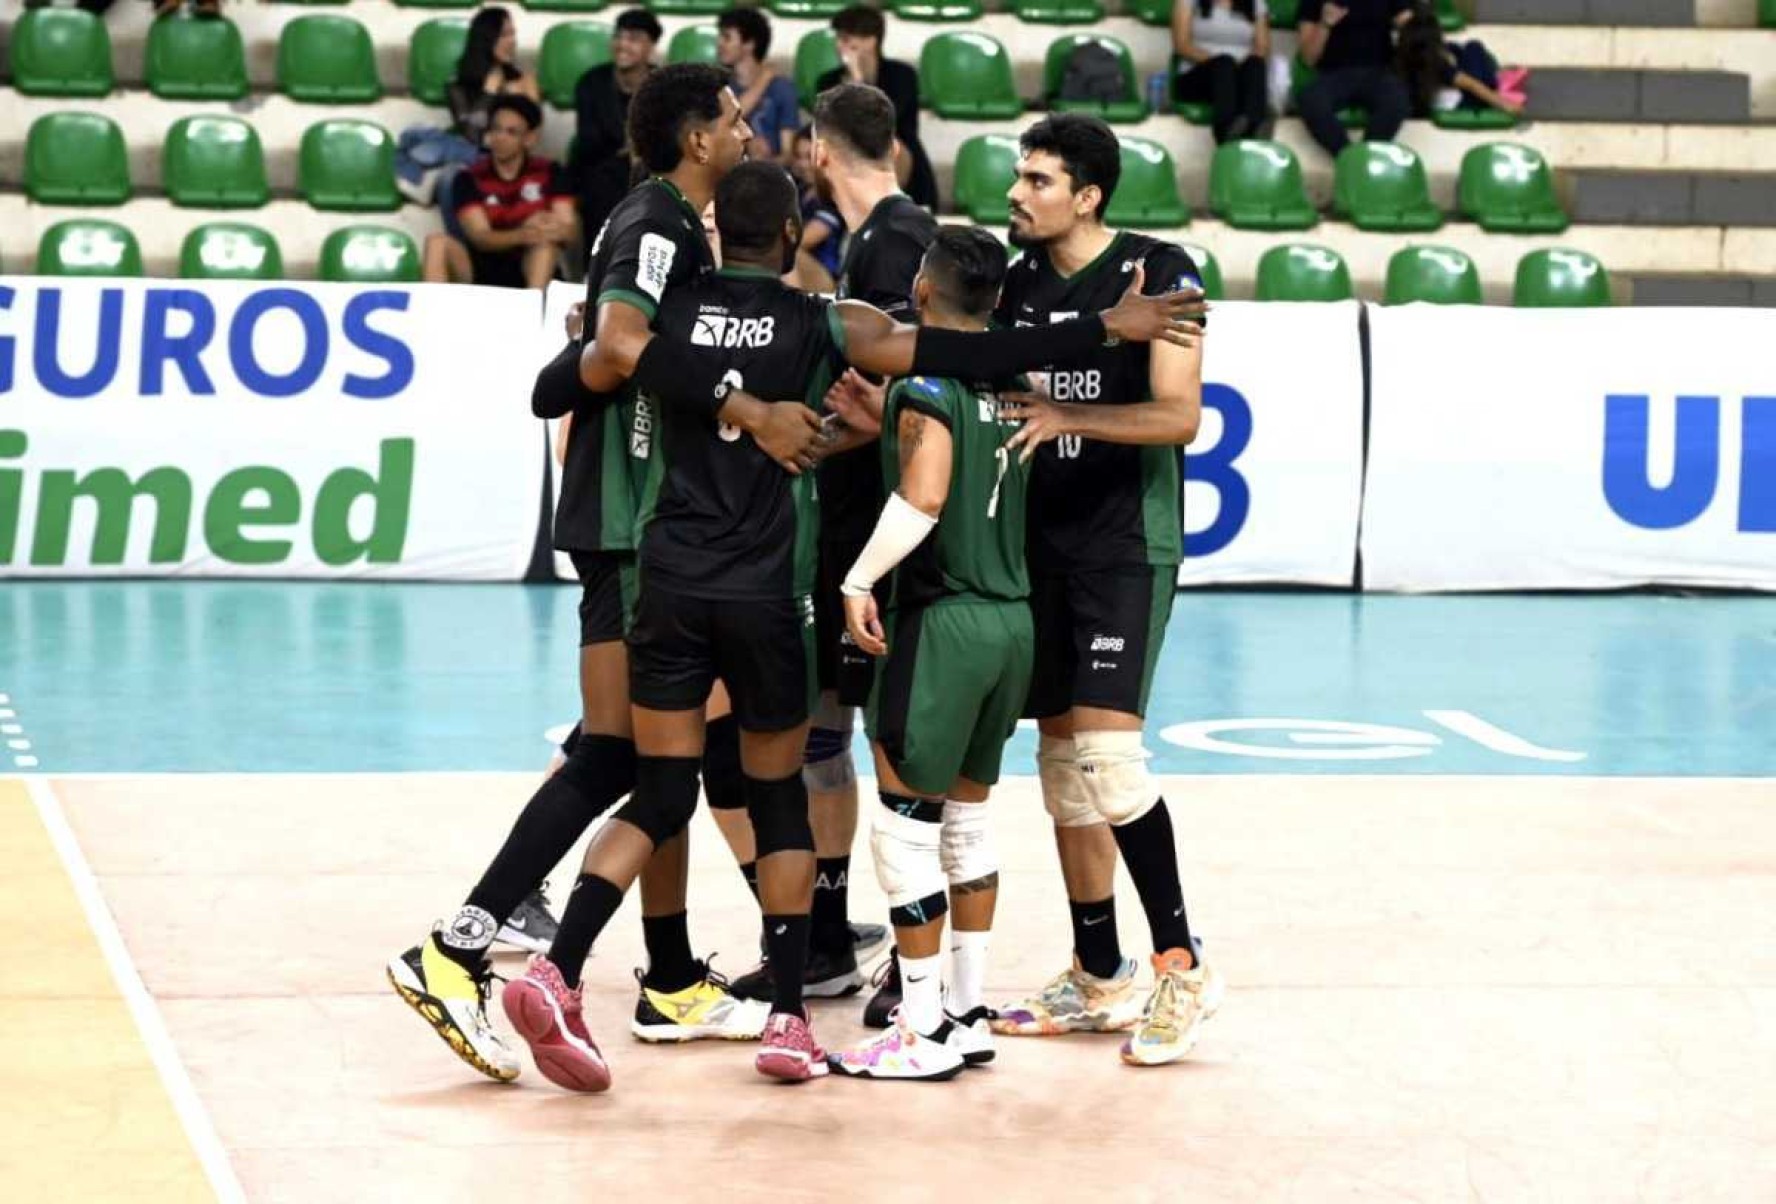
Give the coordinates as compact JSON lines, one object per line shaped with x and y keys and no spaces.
{"x":1093,"y":73}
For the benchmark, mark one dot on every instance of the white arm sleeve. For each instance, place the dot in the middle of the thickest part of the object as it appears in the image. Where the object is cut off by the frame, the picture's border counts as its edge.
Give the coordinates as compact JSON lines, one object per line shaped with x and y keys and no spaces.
{"x":901,"y":528}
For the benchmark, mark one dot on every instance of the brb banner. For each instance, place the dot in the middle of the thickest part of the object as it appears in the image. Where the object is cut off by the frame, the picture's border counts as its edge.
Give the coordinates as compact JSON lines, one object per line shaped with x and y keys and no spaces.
{"x":1587,"y":449}
{"x":245,"y":429}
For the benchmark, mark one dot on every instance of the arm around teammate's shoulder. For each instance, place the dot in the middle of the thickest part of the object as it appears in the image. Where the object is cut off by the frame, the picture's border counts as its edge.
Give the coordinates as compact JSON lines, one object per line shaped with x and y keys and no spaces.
{"x":1171,"y":418}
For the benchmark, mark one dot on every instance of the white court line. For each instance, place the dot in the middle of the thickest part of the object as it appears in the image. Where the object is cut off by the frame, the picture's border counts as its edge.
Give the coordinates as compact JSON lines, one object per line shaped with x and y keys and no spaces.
{"x":202,"y":1134}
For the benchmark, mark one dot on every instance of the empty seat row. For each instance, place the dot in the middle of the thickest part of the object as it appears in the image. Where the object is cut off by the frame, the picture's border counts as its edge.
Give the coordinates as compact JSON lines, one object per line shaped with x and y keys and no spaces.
{"x":1257,"y":185}
{"x":212,"y":162}
{"x":226,"y":251}
{"x":1554,"y":278}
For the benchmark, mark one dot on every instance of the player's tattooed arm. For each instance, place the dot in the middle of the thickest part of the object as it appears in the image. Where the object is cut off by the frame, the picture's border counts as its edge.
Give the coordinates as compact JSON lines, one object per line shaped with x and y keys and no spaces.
{"x":925,"y":457}
{"x":906,"y":520}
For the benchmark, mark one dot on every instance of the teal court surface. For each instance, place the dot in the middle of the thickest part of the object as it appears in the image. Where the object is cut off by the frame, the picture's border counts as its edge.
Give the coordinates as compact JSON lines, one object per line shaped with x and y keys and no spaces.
{"x":1490,"y":879}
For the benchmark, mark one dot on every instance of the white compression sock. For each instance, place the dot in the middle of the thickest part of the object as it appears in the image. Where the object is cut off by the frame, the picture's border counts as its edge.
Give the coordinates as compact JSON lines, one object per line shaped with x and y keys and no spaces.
{"x":968,"y":971}
{"x":921,"y":992}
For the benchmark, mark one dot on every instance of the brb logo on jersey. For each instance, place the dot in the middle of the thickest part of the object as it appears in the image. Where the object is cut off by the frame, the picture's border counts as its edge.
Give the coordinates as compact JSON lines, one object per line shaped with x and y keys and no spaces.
{"x":714,"y":328}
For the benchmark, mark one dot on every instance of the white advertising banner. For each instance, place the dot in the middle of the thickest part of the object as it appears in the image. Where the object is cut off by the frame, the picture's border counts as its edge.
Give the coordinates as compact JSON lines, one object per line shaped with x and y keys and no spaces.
{"x":1570,"y":449}
{"x":248,"y":429}
{"x":1274,"y":482}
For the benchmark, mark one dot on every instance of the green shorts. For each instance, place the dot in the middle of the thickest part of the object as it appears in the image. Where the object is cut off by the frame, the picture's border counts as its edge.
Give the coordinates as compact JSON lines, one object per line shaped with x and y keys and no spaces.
{"x":951,"y":691}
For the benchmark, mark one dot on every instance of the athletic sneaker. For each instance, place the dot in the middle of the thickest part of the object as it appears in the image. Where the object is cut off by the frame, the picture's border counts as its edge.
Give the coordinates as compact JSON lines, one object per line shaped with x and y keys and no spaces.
{"x":901,"y":1053}
{"x":547,"y":1014}
{"x":1182,"y":999}
{"x":1075,"y":1002}
{"x":971,"y":1035}
{"x":830,"y":974}
{"x":788,"y":1050}
{"x":530,"y":926}
{"x":705,"y":1010}
{"x":867,"y":940}
{"x":879,"y":1011}
{"x":453,"y":1000}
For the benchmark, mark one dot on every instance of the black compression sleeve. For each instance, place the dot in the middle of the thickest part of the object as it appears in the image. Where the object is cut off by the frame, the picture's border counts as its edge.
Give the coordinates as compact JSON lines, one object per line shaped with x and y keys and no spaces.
{"x":991,"y":354}
{"x":685,"y":376}
{"x":558,"y":389}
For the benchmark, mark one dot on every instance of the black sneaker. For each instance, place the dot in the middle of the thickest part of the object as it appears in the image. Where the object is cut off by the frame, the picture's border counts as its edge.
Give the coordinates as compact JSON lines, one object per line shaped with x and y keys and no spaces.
{"x":880,"y":1009}
{"x":867,"y":940}
{"x":530,"y":926}
{"x":831,"y":974}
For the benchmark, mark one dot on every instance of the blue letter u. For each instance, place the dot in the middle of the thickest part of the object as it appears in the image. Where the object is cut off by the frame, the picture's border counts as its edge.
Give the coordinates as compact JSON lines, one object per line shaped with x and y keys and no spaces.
{"x":1626,"y":486}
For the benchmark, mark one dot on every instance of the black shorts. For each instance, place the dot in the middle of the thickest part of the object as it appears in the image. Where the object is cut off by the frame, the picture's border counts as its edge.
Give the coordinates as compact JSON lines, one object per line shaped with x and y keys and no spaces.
{"x":763,"y":651}
{"x":497,"y":269}
{"x":1098,"y":635}
{"x":607,"y":594}
{"x":843,"y":667}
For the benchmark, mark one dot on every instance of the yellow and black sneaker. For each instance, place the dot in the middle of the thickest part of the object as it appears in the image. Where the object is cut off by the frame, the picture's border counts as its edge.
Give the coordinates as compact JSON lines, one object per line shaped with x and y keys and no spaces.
{"x":704,"y":1011}
{"x":453,"y":1000}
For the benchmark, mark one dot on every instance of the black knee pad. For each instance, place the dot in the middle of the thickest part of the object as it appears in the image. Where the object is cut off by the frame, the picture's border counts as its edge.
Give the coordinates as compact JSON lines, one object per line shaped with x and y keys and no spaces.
{"x":779,"y":814}
{"x":665,"y":796}
{"x":723,"y":781}
{"x":600,"y":766}
{"x":825,"y":743}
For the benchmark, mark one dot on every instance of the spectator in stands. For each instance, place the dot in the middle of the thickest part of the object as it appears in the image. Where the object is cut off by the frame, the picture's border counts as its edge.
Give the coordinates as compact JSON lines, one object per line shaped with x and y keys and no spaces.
{"x":1448,"y":75}
{"x":1352,"y":46}
{"x":426,"y":157}
{"x":859,"y":31}
{"x":164,"y":8}
{"x":823,"y":230}
{"x":600,"y":164}
{"x":515,"y":208}
{"x":1223,"y":49}
{"x":767,"y":100}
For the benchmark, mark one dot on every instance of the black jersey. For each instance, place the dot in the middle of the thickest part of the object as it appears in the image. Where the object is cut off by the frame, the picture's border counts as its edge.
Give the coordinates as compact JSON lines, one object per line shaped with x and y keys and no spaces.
{"x":653,"y":242}
{"x":719,"y":518}
{"x":1094,"y":504}
{"x":882,"y":257}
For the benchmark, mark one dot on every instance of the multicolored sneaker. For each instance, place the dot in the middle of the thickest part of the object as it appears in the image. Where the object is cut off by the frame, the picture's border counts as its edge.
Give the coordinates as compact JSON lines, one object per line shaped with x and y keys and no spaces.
{"x":705,"y":1010}
{"x":971,"y":1035}
{"x":547,"y":1014}
{"x":1183,"y":997}
{"x":453,"y":1000}
{"x":530,"y":927}
{"x":1075,"y":1002}
{"x":789,"y":1051}
{"x":901,"y":1053}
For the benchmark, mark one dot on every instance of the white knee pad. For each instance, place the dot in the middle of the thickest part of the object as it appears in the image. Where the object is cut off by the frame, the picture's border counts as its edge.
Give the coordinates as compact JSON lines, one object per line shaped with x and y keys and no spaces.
{"x":1063,"y":792}
{"x":909,"y":861}
{"x":1113,"y":769}
{"x":967,"y":848}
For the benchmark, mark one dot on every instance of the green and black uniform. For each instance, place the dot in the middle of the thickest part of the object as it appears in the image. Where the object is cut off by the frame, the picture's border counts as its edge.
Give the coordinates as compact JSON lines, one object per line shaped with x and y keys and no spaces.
{"x":653,"y":243}
{"x":728,"y":538}
{"x":960,"y":638}
{"x":1105,"y":519}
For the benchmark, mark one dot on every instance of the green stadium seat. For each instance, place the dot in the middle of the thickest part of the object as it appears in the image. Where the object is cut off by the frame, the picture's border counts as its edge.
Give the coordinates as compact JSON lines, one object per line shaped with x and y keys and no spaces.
{"x":816,"y":54}
{"x":1058,"y":12}
{"x":1214,"y":288}
{"x":1147,"y":194}
{"x":1449,"y":17}
{"x":432,"y":53}
{"x":369,"y":255}
{"x":986,"y":168}
{"x":968,"y":76}
{"x":1767,"y":13}
{"x":61,"y":52}
{"x":1196,"y":112}
{"x":566,"y":6}
{"x":570,"y":49}
{"x":1473,"y":119}
{"x":88,"y":247}
{"x":1130,"y":108}
{"x":1439,"y":275}
{"x":688,"y":8}
{"x":937,"y":10}
{"x":1383,"y":186}
{"x":76,"y":159}
{"x":348,"y":165}
{"x":192,"y":59}
{"x":816,"y":10}
{"x":1561,"y":279}
{"x":1149,"y":12}
{"x":327,"y":60}
{"x":1256,"y":185}
{"x":438,"y":3}
{"x":692,"y":44}
{"x":230,"y":251}
{"x":1509,"y":189}
{"x":1285,"y":14}
{"x":214,"y":163}
{"x":1302,"y":272}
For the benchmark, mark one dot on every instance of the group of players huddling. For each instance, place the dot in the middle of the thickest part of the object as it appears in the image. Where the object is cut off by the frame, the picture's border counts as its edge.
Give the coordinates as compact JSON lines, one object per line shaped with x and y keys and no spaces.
{"x":767,"y":541}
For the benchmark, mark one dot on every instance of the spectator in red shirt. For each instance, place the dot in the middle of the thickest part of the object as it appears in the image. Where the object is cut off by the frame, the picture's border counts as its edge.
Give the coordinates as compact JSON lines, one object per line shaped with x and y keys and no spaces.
{"x":516,"y":209}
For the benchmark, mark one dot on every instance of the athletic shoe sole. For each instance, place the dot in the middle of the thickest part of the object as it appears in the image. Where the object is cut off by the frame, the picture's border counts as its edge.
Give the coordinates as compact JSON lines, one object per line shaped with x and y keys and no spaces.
{"x":678,"y":1034}
{"x":431,"y":1010}
{"x":558,"y":1056}
{"x":936,"y":1076}
{"x":789,"y":1065}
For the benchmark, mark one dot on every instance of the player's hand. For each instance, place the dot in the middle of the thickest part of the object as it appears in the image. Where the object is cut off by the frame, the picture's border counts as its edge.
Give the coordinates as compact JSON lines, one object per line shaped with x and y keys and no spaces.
{"x":864,"y":624}
{"x":788,"y":432}
{"x":1042,"y":417}
{"x":857,"y":402}
{"x":1168,"y":317}
{"x":576,"y":320}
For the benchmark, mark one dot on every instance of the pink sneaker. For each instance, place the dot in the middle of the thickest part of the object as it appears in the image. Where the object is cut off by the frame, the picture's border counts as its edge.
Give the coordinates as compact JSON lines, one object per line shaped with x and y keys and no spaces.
{"x":788,"y":1050}
{"x":547,"y":1015}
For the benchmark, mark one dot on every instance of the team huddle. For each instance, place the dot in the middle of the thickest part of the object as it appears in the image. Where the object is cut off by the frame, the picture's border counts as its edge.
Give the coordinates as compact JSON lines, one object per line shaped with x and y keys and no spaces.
{"x":769,"y":541}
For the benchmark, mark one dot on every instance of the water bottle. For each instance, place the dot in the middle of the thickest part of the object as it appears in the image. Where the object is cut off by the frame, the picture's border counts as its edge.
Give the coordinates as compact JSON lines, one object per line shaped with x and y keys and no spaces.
{"x":1159,"y":88}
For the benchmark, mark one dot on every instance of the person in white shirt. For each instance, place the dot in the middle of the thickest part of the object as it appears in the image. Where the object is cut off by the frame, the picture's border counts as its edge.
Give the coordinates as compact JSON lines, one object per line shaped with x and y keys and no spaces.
{"x":1220,"y":48}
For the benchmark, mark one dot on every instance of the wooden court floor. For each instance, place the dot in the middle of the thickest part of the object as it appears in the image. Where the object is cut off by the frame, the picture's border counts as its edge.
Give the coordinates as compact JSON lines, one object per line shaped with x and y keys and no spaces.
{"x":1440,"y":989}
